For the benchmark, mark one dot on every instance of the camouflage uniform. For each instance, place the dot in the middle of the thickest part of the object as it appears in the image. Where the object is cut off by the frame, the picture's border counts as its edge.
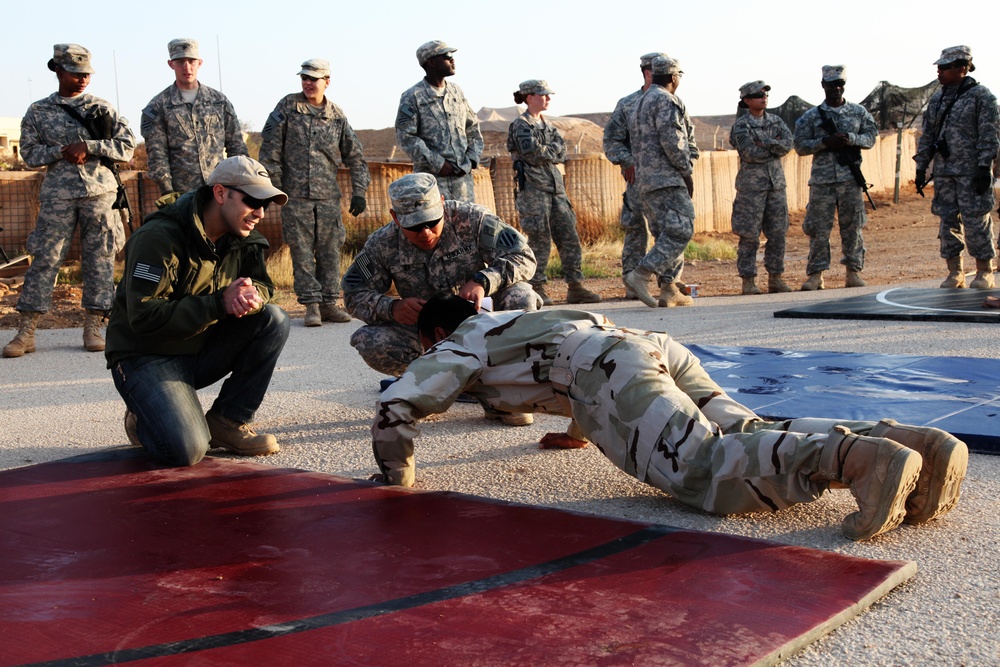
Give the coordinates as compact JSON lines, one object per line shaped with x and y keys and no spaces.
{"x":641,"y":397}
{"x":618,"y":149}
{"x":832,"y":188}
{"x":184,"y":142}
{"x":300,"y":149}
{"x":473,"y":240}
{"x":972,"y":134}
{"x":760,"y":204}
{"x":663,"y":157}
{"x":73,"y":195}
{"x":545,"y":211}
{"x":434,"y":125}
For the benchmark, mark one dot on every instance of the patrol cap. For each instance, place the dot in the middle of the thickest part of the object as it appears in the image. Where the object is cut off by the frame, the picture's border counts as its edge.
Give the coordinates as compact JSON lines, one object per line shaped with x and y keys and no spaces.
{"x":834,"y":73}
{"x":70,"y":57}
{"x":647,"y":60}
{"x":248,"y":175}
{"x":431,"y":49}
{"x":953,"y":53}
{"x":416,"y":199}
{"x":752,"y":88}
{"x":317,"y":68}
{"x":183,"y":47}
{"x":666,"y":65}
{"x":535,"y":87}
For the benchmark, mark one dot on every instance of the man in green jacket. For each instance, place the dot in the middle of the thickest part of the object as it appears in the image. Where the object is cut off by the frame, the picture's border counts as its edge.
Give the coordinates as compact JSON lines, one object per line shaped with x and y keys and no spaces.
{"x":191,"y":308}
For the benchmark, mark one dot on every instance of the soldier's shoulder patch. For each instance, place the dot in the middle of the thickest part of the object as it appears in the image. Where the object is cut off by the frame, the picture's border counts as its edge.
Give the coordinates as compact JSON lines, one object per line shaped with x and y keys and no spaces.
{"x":274,"y":119}
{"x":405,"y":114}
{"x":360,"y":272}
{"x":147,"y":271}
{"x":488,"y":232}
{"x":509,"y":238}
{"x":146,"y":120}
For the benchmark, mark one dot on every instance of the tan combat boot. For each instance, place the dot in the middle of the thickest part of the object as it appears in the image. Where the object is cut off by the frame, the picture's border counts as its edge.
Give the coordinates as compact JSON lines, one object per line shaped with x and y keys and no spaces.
{"x":814,"y":282}
{"x":881,"y":474}
{"x":945,"y":459}
{"x":776,"y":284}
{"x":509,"y":418}
{"x":629,"y":292}
{"x":313,"y":318}
{"x":540,"y":291}
{"x":24,"y":341}
{"x":92,"y":340}
{"x":638,"y":280}
{"x":577,"y":293}
{"x":239,"y":438}
{"x":956,"y":273}
{"x":132,"y":428}
{"x":984,"y":275}
{"x":671,"y":296}
{"x":331,"y":312}
{"x":750,"y":285}
{"x":854,"y":279}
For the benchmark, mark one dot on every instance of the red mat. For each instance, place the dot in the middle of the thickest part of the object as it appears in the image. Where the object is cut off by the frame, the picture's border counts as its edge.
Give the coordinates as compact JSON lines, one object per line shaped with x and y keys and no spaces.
{"x":111,"y":559}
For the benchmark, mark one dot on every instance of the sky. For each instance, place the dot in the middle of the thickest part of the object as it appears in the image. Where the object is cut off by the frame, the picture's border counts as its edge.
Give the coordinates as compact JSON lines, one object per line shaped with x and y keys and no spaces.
{"x":588,"y":54}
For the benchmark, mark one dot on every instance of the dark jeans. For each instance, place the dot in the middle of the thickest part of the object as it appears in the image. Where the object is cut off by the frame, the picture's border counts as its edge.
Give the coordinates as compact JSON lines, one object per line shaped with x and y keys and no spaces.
{"x":161,"y":389}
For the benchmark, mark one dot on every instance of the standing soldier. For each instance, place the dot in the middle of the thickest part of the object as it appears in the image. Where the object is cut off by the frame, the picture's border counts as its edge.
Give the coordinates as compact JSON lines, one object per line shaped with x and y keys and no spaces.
{"x":834,"y":134}
{"x":663,"y":160}
{"x":961,"y":135}
{"x":75,"y":136}
{"x":761,"y":139}
{"x":618,"y":149}
{"x":187,"y":126}
{"x":303,"y":138}
{"x":436,"y":126}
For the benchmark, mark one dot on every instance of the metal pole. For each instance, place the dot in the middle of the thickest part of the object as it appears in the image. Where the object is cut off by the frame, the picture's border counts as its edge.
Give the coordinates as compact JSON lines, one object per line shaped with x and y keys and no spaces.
{"x":118,"y":101}
{"x":899,"y":154}
{"x":218,"y":56}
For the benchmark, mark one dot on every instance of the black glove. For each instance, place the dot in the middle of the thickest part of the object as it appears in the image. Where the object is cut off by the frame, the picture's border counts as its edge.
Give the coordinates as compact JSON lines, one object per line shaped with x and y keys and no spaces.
{"x":982,"y":180}
{"x":358,"y":205}
{"x":921,"y":181}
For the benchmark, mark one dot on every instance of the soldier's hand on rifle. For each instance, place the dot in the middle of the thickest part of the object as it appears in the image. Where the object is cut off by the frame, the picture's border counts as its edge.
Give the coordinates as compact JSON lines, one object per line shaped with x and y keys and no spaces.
{"x":921,"y":182}
{"x":982,"y":180}
{"x":358,"y":205}
{"x":75,"y":153}
{"x":835,"y":141}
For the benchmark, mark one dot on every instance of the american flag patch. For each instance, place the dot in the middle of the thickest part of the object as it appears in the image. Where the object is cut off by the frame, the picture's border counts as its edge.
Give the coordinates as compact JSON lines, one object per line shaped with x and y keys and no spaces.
{"x":145,"y":271}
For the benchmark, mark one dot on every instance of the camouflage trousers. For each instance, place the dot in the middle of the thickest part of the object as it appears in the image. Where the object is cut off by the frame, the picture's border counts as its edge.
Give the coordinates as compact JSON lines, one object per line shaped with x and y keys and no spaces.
{"x":844,"y":199}
{"x":670,"y":213}
{"x":756,"y":212}
{"x":457,"y":188}
{"x":965,"y":217}
{"x":390,"y":347}
{"x":548,"y":217}
{"x":651,"y":408}
{"x":636,"y":241}
{"x":313,"y":230}
{"x":101,"y":237}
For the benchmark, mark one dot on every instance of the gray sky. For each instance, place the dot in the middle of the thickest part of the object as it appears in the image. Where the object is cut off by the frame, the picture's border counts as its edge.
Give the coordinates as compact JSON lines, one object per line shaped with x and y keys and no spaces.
{"x":589,"y":56}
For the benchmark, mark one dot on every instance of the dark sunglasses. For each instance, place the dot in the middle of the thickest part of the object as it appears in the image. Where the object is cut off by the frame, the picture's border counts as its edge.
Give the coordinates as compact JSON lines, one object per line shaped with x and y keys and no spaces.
{"x":252,"y":202}
{"x":947,"y":66}
{"x":757,"y":96}
{"x":306,"y":77}
{"x":416,"y":229}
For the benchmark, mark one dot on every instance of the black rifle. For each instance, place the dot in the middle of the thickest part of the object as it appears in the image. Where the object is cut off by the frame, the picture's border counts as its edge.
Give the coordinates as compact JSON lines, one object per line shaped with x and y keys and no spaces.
{"x":846,"y":156}
{"x":100,"y":126}
{"x":519,"y":177}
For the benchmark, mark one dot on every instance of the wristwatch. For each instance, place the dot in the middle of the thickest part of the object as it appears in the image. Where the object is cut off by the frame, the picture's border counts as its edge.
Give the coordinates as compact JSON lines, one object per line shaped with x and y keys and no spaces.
{"x":480,"y":278}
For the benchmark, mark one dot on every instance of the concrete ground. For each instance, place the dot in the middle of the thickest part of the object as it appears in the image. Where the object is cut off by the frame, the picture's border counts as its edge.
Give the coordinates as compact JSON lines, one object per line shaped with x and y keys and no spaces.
{"x":61,"y":402}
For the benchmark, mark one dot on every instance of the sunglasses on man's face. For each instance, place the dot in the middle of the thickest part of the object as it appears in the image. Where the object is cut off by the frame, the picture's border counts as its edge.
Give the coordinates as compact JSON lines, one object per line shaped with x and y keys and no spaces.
{"x":757,"y":96}
{"x":252,"y":202}
{"x":416,"y":229}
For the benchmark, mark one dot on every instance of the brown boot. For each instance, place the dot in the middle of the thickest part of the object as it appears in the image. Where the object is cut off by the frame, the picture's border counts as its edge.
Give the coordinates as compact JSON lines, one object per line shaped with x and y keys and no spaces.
{"x":331,"y":312}
{"x":239,"y":438}
{"x":814,"y":282}
{"x":313,"y":318}
{"x":629,"y":292}
{"x":750,"y":285}
{"x":671,"y":296}
{"x":540,"y":291}
{"x":638,"y":280}
{"x":577,"y":293}
{"x":776,"y":284}
{"x":854,"y":279}
{"x":880,"y":473}
{"x":509,"y":418}
{"x":92,"y":340}
{"x":24,"y":342}
{"x":956,"y":273}
{"x":984,"y":275}
{"x":132,"y":428}
{"x":945,"y":459}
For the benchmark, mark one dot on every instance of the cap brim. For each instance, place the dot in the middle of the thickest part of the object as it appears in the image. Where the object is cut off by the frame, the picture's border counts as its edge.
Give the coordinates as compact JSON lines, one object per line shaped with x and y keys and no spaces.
{"x":265,"y":192}
{"x":423,"y":215}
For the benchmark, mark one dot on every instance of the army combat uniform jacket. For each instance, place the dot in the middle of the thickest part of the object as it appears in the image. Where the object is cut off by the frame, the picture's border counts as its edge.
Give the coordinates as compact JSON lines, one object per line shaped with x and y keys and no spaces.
{"x":761,"y":142}
{"x":432,"y":128}
{"x":971,"y":130}
{"x":540,"y":147}
{"x":851,"y":119}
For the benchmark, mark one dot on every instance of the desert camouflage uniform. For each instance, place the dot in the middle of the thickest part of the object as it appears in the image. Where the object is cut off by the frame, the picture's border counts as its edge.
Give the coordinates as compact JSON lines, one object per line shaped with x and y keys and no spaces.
{"x":545,"y":211}
{"x":433,"y":126}
{"x":73,"y":195}
{"x":972,"y":134}
{"x":472,"y":240}
{"x":184,"y":142}
{"x":300,"y":148}
{"x":832,"y":187}
{"x":641,"y":397}
{"x":761,"y":204}
{"x":661,"y":143}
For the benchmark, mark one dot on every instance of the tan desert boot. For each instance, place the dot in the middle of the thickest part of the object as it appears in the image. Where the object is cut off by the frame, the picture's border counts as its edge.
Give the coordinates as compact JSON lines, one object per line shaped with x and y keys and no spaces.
{"x":984,"y":275}
{"x":331,"y":312}
{"x":24,"y":341}
{"x":854,"y":279}
{"x":814,"y":282}
{"x":92,"y":339}
{"x":671,"y":296}
{"x":239,"y":438}
{"x":750,"y":285}
{"x":509,"y":418}
{"x":638,"y":280}
{"x":776,"y":284}
{"x":956,"y":273}
{"x":577,"y":293}
{"x":540,"y":291}
{"x":313,"y":318}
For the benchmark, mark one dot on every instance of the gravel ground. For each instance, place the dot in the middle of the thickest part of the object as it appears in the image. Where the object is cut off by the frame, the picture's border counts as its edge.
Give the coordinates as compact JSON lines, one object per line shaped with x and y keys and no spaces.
{"x":60,"y":402}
